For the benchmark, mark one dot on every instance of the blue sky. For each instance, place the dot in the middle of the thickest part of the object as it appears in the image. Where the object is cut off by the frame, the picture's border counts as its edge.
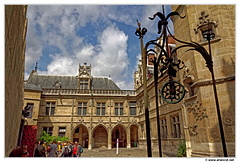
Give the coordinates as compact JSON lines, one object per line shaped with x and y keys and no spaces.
{"x":59,"y":37}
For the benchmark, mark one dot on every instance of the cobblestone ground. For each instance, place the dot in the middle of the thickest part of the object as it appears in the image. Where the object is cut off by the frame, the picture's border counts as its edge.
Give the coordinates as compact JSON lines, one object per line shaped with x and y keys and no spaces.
{"x":123,"y":152}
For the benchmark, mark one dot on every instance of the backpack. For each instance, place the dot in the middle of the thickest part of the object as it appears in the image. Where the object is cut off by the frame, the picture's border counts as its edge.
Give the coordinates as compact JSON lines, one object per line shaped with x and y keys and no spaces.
{"x":80,"y":149}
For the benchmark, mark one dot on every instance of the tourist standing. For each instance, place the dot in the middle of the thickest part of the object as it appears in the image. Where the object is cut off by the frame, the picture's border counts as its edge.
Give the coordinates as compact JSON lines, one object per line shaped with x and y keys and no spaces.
{"x":70,"y":149}
{"x":40,"y":150}
{"x":75,"y":150}
{"x":59,"y":152}
{"x":53,"y":149}
{"x":79,"y":150}
{"x":65,"y":150}
{"x":35,"y":149}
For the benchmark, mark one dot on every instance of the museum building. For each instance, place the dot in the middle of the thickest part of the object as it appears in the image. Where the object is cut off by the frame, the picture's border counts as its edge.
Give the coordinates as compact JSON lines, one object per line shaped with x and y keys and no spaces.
{"x":90,"y":110}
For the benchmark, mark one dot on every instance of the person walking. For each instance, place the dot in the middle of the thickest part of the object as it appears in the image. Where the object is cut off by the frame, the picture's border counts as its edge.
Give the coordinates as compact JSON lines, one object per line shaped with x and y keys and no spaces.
{"x":53,"y":149}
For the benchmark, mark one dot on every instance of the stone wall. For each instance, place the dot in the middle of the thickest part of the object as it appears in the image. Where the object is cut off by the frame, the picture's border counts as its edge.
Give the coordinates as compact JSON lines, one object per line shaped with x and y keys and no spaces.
{"x":15,"y":34}
{"x":203,"y":130}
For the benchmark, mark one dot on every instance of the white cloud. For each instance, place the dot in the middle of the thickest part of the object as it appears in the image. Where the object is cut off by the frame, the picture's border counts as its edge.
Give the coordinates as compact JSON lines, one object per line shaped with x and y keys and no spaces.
{"x":61,"y":66}
{"x":112,"y":58}
{"x":57,"y":25}
{"x":109,"y":57}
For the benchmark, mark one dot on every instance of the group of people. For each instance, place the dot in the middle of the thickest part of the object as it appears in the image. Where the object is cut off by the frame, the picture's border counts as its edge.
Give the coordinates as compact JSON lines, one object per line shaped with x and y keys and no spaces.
{"x":41,"y":149}
{"x":66,"y":149}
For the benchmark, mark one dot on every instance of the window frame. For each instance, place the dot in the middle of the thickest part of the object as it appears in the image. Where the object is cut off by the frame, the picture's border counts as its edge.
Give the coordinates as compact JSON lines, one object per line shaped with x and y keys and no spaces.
{"x":176,"y":127}
{"x":164,"y":128}
{"x":50,"y":110}
{"x":133,"y":108}
{"x":119,"y":109}
{"x":84,"y":83}
{"x":48,"y":131}
{"x":101,"y":109}
{"x":82,"y":108}
{"x":62,"y":131}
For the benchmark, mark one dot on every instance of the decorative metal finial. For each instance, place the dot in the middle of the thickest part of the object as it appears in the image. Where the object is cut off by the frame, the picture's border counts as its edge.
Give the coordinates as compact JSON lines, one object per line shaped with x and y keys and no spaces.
{"x":36,"y":67}
{"x":140,"y":31}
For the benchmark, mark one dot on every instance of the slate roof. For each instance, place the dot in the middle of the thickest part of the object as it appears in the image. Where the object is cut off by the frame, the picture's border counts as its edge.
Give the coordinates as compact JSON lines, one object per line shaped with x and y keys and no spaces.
{"x":104,"y":83}
{"x":38,"y":82}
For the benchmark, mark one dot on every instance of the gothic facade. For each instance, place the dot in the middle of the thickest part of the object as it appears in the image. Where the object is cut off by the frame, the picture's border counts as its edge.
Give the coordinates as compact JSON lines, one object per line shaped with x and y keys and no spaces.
{"x":90,"y":110}
{"x":194,"y":120}
{"x":95,"y":112}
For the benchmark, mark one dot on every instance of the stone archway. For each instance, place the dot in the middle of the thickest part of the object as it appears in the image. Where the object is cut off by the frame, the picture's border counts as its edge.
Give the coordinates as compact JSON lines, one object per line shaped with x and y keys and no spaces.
{"x":100,"y":137}
{"x":80,"y":135}
{"x":119,"y":133}
{"x":134,"y":135}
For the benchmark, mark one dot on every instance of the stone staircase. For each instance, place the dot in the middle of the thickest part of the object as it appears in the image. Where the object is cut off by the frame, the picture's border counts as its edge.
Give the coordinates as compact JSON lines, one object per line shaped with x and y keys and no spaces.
{"x":123,"y":152}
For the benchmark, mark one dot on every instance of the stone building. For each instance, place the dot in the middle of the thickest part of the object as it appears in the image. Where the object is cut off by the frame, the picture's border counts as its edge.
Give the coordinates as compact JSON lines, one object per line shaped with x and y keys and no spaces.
{"x":95,"y":112}
{"x":194,"y":120}
{"x":15,"y":42}
{"x":200,"y":120}
{"x":88,"y":109}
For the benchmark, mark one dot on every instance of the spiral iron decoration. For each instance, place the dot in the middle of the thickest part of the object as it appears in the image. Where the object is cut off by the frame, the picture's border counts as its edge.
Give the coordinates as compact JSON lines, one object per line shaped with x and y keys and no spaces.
{"x":165,"y":60}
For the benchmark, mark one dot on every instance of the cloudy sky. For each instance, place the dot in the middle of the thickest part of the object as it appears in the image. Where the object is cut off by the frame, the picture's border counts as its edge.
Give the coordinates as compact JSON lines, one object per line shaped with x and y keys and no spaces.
{"x":59,"y":37}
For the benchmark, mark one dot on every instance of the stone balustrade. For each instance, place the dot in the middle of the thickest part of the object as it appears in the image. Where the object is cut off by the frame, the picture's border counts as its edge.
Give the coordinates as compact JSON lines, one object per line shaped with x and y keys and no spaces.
{"x":88,"y":92}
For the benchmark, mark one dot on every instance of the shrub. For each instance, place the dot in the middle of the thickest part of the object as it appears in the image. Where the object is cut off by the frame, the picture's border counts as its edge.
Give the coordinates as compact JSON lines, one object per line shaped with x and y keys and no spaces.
{"x":181,"y":149}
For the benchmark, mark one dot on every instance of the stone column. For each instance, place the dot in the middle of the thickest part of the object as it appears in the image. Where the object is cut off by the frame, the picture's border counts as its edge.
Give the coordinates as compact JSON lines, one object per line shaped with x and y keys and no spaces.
{"x":128,"y":138}
{"x":90,"y":140}
{"x":109,"y":139}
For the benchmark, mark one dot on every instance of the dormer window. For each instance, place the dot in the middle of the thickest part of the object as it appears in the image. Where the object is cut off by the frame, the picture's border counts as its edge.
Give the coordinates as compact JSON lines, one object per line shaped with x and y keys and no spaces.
{"x":57,"y":85}
{"x":84,"y":76}
{"x":84,"y":84}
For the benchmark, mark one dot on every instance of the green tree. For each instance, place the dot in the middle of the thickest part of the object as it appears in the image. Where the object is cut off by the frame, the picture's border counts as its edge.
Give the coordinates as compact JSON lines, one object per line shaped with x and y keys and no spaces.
{"x":48,"y":138}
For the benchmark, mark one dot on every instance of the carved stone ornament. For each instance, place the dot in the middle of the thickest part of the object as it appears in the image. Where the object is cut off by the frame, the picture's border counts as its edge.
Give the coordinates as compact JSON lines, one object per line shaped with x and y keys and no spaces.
{"x":204,"y":22}
{"x":188,"y":78}
{"x":227,"y":121}
{"x":193,"y":130}
{"x":119,"y":121}
{"x":198,"y":112}
{"x":100,"y":121}
{"x":134,"y":121}
{"x":81,"y":121}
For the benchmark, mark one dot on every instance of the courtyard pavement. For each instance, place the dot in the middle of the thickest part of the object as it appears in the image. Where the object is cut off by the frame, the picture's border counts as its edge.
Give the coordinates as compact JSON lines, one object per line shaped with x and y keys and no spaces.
{"x":123,"y":152}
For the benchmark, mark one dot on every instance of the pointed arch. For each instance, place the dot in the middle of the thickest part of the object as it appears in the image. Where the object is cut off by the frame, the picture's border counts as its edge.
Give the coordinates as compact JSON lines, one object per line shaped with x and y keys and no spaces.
{"x":80,"y":134}
{"x":100,"y":136}
{"x":134,"y":135}
{"x":119,"y":132}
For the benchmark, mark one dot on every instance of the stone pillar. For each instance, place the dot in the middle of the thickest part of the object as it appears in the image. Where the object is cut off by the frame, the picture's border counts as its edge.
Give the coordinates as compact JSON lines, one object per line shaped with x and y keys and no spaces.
{"x":90,"y":139}
{"x":109,"y":139}
{"x":128,"y":138}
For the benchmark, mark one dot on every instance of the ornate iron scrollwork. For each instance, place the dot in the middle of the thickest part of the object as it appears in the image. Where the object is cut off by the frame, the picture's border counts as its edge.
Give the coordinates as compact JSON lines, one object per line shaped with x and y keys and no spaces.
{"x":172,"y":92}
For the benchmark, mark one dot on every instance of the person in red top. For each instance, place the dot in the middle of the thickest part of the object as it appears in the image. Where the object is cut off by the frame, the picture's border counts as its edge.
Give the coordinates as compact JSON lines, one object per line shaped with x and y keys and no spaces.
{"x":75,"y":151}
